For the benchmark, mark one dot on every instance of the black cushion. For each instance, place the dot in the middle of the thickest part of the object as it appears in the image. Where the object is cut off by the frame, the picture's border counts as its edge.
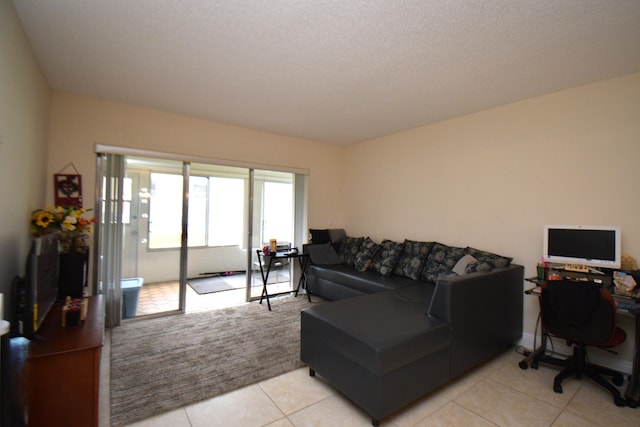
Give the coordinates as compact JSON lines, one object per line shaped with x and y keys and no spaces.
{"x":320,"y":236}
{"x":414,"y":255}
{"x":336,"y":235}
{"x":441,"y":261}
{"x":387,"y":257}
{"x":364,"y":257}
{"x":349,"y":248}
{"x":488,"y":261}
{"x":322,"y":254}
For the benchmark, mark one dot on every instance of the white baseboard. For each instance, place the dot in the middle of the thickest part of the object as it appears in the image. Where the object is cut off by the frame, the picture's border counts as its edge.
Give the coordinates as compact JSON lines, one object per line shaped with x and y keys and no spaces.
{"x":597,"y":356}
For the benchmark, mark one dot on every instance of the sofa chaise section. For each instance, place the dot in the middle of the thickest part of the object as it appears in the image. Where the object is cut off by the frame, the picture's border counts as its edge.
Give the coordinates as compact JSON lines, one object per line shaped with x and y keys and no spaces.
{"x":380,"y":350}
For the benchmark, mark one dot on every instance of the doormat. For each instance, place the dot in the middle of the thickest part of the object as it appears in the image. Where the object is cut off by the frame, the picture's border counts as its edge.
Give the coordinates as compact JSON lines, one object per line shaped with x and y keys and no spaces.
{"x":209,"y":285}
{"x":221,"y":281}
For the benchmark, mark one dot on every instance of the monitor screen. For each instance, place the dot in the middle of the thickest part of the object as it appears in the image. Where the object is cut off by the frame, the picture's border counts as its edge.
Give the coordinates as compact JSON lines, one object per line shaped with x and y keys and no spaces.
{"x":596,"y":246}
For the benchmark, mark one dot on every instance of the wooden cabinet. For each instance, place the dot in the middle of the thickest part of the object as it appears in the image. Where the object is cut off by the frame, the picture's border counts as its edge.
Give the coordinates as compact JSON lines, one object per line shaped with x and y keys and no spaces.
{"x":61,"y":370}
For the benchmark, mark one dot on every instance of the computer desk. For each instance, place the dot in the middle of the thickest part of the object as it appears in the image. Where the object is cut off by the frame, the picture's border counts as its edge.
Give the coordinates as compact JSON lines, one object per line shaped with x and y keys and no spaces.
{"x":632,"y":393}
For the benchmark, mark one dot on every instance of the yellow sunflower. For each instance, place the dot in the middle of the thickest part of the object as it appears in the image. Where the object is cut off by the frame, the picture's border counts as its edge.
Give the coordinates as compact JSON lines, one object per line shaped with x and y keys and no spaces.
{"x":43,"y":219}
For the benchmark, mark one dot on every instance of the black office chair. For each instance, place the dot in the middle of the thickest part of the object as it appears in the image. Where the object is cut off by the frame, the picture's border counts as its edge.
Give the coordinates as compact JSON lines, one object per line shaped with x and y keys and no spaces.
{"x":584,"y":315}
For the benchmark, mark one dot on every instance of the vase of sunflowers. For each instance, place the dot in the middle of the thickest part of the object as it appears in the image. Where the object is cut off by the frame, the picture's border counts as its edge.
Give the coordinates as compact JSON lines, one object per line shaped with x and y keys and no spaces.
{"x":73,"y":229}
{"x":71,"y":224}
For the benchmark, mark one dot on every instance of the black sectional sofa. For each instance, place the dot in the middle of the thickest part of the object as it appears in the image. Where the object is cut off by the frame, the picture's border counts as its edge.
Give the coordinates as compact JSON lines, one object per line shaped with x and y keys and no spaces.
{"x":405,"y":318}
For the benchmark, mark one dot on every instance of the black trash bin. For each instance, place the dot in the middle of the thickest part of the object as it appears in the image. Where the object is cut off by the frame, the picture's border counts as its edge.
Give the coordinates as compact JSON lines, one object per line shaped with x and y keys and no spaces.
{"x":130,"y":294}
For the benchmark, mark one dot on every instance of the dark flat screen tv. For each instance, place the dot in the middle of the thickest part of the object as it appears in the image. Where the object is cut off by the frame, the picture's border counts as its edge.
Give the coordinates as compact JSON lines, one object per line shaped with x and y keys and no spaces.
{"x":40,"y":285}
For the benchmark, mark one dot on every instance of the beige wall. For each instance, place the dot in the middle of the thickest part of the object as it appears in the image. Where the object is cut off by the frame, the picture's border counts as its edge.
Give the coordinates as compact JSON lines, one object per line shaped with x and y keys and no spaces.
{"x":24,"y":119}
{"x":78,"y":123}
{"x":493,"y":179}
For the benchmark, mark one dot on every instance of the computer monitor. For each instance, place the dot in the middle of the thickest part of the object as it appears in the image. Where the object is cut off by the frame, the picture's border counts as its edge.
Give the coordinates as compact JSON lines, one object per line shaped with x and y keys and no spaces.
{"x":592,"y":246}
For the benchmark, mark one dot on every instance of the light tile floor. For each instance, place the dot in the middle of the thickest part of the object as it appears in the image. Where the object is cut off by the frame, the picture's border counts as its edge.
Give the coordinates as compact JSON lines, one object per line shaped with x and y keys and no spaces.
{"x":497,"y":394}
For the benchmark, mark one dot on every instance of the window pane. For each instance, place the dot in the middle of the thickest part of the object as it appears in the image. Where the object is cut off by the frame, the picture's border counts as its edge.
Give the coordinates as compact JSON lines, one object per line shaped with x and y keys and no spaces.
{"x":126,"y":200}
{"x":198,"y":187}
{"x":226,"y":211}
{"x":165,"y":211}
{"x":278,"y":212}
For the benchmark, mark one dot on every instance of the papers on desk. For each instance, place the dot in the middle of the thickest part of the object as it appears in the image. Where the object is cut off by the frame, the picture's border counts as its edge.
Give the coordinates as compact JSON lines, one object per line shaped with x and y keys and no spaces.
{"x":631,"y":295}
{"x":624,"y":283}
{"x":627,"y":301}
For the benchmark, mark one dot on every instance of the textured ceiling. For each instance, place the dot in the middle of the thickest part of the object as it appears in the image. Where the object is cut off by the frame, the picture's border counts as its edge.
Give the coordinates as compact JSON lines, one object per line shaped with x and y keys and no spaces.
{"x":336,"y":71}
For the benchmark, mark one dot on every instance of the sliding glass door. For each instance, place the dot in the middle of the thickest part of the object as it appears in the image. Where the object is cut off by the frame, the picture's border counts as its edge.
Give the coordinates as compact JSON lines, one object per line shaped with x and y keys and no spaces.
{"x":155,"y":235}
{"x":139,"y":236}
{"x":177,"y":235}
{"x":273,"y":203}
{"x":217,"y":242}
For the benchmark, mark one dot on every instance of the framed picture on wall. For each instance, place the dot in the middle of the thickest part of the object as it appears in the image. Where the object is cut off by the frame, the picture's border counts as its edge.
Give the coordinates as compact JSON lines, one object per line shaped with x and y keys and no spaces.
{"x":67,"y":190}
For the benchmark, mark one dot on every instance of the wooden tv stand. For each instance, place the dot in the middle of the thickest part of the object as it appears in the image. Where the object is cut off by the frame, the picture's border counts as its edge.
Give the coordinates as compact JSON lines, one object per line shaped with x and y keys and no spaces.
{"x":60,"y":369}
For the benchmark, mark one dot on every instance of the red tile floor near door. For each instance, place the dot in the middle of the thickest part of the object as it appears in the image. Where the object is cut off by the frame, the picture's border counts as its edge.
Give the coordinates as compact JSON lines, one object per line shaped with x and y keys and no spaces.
{"x":162,"y":297}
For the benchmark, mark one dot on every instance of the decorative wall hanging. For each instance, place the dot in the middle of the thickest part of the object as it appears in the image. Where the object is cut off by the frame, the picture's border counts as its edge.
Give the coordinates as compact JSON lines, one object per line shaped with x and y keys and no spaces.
{"x":68,"y":188}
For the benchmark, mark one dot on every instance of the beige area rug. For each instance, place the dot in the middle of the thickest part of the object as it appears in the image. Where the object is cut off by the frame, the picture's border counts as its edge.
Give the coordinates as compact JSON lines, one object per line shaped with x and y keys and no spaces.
{"x":158,"y":365}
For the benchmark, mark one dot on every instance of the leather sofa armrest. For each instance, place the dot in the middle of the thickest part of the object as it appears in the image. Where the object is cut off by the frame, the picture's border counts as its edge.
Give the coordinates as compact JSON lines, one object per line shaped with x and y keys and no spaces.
{"x":456,"y":296}
{"x":484,"y":312}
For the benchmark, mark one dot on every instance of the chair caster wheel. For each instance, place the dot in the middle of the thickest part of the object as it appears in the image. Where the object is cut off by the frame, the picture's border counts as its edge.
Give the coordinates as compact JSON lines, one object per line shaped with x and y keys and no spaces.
{"x":617,"y":380}
{"x":619,"y":401}
{"x":534,"y":364}
{"x":632,"y":403}
{"x":523,"y":365}
{"x":557,"y":388}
